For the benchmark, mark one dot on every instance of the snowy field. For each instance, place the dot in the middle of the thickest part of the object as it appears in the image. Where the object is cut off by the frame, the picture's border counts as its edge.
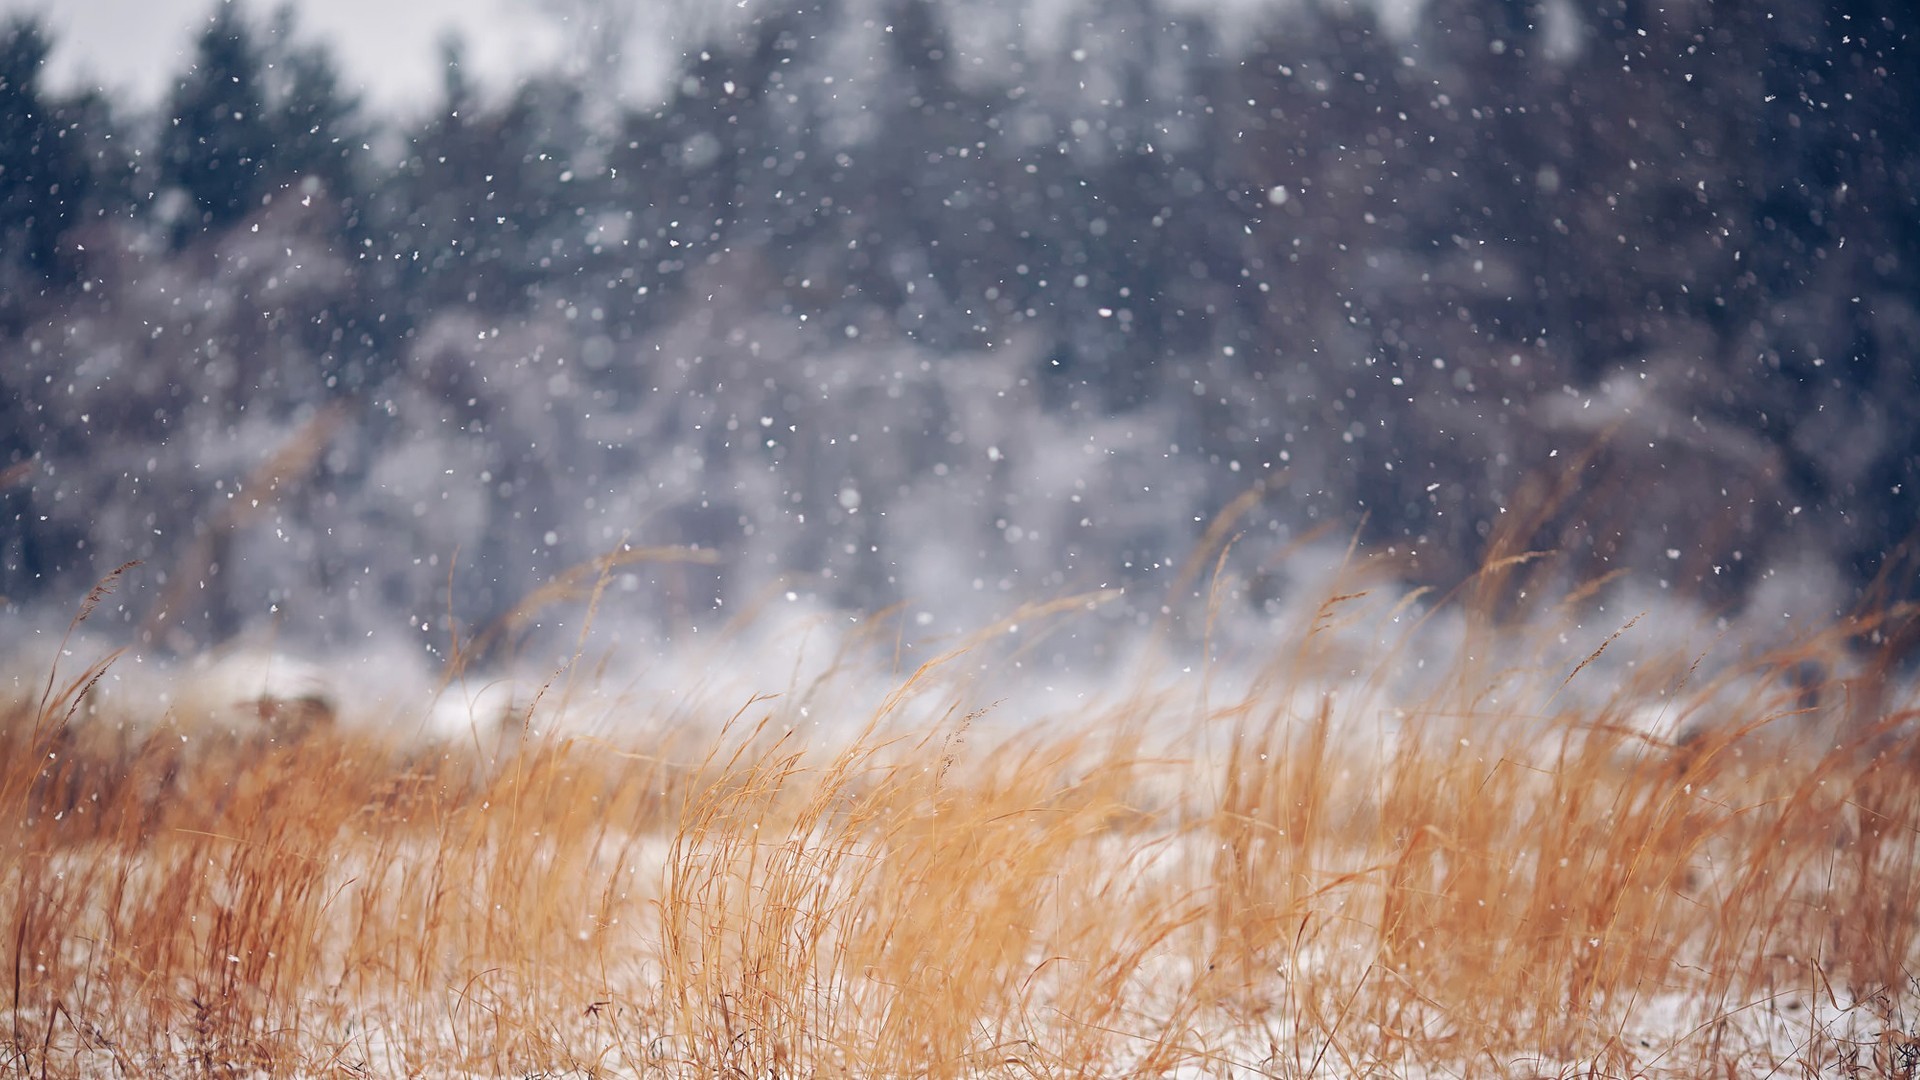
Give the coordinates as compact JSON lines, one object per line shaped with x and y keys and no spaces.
{"x":1596,"y":858}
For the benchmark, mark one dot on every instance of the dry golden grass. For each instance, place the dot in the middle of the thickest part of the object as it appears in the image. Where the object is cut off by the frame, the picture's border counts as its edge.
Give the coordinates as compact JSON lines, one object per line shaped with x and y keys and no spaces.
{"x":1305,"y":876}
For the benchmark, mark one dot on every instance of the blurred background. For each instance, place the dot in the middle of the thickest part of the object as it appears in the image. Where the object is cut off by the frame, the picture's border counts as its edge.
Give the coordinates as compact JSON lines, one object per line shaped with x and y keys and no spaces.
{"x":351,"y":320}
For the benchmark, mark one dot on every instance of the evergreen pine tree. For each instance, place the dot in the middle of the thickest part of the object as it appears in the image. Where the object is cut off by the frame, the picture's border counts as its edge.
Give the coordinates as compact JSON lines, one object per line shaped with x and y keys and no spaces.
{"x":43,"y":171}
{"x":319,"y":129}
{"x":217,"y":139}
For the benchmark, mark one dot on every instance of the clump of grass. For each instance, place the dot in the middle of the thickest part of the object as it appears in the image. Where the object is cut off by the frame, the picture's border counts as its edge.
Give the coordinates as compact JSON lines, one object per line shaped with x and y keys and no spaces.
{"x":1320,"y":872}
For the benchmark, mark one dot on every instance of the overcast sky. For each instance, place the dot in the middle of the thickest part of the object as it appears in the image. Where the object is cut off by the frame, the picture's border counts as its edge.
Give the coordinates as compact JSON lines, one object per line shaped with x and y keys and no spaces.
{"x":387,"y":48}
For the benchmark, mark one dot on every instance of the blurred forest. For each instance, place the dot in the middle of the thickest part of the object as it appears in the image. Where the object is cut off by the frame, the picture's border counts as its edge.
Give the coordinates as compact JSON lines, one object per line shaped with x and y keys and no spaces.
{"x":909,"y":300}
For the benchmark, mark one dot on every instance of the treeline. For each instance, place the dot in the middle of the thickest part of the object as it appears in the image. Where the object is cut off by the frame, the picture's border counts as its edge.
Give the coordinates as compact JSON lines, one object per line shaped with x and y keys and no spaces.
{"x":1391,"y":277}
